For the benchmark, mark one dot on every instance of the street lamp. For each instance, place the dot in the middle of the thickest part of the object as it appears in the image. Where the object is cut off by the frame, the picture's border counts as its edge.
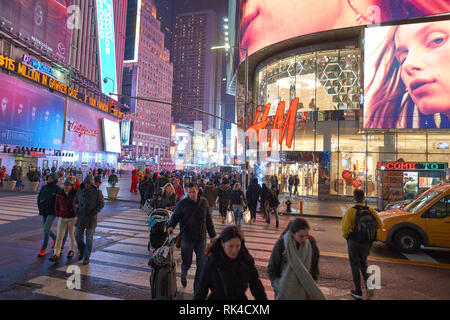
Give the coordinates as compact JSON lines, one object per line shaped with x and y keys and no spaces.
{"x":114,"y":83}
{"x":245,"y":103}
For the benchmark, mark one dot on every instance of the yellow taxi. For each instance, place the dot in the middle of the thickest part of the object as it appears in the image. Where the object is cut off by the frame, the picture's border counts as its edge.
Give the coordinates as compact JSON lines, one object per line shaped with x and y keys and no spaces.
{"x":425,"y":221}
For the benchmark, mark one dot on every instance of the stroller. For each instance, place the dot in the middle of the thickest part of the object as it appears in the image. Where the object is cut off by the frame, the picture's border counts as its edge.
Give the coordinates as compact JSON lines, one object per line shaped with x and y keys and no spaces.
{"x":163,"y":282}
{"x":157,"y":223}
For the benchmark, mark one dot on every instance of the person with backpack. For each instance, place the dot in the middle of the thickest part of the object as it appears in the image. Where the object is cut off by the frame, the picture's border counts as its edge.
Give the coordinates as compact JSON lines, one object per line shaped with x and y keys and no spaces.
{"x":238,"y":203}
{"x":194,"y":216}
{"x":359,"y":228}
{"x":273,"y":204}
{"x":253,"y":193}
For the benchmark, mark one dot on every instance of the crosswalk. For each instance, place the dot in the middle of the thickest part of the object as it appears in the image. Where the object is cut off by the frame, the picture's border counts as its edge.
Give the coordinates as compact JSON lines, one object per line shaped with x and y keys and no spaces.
{"x":16,"y":208}
{"x":119,"y":269}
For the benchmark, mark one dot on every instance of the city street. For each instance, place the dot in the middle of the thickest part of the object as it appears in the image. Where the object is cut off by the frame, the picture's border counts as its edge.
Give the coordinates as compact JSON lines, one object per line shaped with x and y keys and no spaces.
{"x":119,"y":270}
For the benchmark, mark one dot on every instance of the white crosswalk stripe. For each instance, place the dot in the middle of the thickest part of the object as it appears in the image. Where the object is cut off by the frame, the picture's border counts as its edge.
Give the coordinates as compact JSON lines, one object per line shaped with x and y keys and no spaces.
{"x":16,"y":208}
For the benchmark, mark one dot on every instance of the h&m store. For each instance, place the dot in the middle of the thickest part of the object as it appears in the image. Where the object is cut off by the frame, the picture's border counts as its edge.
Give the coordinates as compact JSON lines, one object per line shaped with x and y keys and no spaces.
{"x":349,"y":105}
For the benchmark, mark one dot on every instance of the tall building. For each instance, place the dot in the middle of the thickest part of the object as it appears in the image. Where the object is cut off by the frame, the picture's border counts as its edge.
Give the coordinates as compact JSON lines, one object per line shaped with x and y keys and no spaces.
{"x":197,"y":68}
{"x":165,"y":12}
{"x":148,"y":73}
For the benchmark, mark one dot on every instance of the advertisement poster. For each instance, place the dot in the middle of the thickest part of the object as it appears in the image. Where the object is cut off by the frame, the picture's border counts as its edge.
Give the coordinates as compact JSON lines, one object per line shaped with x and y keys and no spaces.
{"x":265,"y":22}
{"x":125,"y":132}
{"x":405,"y":86}
{"x":30,"y":116}
{"x":83,"y":128}
{"x":111,"y":132}
{"x":42,"y":22}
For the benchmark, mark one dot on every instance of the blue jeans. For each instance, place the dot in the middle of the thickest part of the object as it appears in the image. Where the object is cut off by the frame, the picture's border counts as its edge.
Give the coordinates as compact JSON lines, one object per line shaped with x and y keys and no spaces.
{"x":47,"y":226}
{"x":238,"y":213}
{"x":85,"y":248}
{"x":187,"y":247}
{"x":275,"y":212}
{"x":290,"y":190}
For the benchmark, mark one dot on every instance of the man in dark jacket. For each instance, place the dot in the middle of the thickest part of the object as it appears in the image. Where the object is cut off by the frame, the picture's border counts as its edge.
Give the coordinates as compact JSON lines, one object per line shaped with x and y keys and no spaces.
{"x":224,"y":198}
{"x":46,"y":205}
{"x":149,"y":189}
{"x":195,"y":220}
{"x":87,"y":204}
{"x":253,"y":193}
{"x":273,"y":204}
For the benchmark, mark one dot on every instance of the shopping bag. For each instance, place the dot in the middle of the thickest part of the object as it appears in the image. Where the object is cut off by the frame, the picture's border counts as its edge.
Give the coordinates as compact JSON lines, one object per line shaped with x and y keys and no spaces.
{"x":230,"y":218}
{"x":247,"y":216}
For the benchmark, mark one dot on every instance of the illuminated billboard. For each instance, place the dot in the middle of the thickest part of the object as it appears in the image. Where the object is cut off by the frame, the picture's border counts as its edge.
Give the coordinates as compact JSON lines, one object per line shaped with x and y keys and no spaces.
{"x":106,"y":43}
{"x":111,"y":136}
{"x":30,"y":116}
{"x":125,"y":132}
{"x":43,"y":22}
{"x":406,"y":78}
{"x":265,"y":22}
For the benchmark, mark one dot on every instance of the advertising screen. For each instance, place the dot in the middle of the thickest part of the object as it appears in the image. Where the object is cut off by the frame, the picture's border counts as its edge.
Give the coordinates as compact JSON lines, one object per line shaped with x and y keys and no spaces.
{"x":111,"y":136}
{"x":406,"y":78}
{"x":42,"y":22}
{"x":265,"y":22}
{"x":125,"y":132}
{"x":105,"y":20}
{"x":30,"y":116}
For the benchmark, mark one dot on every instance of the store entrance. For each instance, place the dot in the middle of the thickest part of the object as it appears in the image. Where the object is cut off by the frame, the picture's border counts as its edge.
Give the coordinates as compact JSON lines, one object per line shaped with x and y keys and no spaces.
{"x":25,"y":163}
{"x":307,"y":173}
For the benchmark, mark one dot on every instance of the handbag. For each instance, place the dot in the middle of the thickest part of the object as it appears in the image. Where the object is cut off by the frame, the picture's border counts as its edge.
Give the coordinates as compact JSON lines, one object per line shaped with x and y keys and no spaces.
{"x":178,"y":238}
{"x":247,"y":216}
{"x":230,"y":218}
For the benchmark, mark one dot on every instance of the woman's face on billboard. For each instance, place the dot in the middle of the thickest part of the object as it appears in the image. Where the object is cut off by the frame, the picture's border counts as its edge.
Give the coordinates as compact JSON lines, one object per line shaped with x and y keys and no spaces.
{"x":423,"y":51}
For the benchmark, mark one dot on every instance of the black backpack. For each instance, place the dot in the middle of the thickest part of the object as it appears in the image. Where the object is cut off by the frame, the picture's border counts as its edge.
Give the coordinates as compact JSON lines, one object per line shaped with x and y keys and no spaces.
{"x":365,"y":227}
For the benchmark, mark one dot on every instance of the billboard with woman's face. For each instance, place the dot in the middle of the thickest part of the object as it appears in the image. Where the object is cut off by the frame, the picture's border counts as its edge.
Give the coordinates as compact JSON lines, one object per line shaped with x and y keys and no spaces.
{"x":265,"y":22}
{"x":407,"y":76}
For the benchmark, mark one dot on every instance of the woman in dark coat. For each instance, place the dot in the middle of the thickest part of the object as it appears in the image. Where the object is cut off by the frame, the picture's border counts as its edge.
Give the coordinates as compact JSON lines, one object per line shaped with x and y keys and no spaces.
{"x":210,"y":193}
{"x":166,"y":199}
{"x":229,"y":270}
{"x":265,"y":198}
{"x":224,"y":194}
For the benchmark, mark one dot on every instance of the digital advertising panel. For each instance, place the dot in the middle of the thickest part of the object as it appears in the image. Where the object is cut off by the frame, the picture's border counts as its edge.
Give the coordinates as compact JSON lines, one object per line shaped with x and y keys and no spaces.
{"x":265,"y":22}
{"x":42,"y":22}
{"x":105,"y":20}
{"x":30,"y":116}
{"x":111,"y":136}
{"x":406,"y":76}
{"x":125,"y":132}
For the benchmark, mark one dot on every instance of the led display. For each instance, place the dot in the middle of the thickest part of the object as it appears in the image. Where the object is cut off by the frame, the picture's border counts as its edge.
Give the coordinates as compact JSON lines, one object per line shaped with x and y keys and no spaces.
{"x":111,"y":136}
{"x":406,"y":78}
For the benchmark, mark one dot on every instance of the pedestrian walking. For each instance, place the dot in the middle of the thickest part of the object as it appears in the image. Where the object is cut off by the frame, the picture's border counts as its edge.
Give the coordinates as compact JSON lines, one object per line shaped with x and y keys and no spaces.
{"x":294,"y":264}
{"x":88,"y":203}
{"x":273,"y":204}
{"x":166,"y":198}
{"x":179,"y":191}
{"x":149,"y":189}
{"x":253,"y":194}
{"x":359,"y":228}
{"x":66,"y":219}
{"x":224,"y":194}
{"x":46,"y":205}
{"x":238,"y":203}
{"x":265,"y":198}
{"x":291,"y":181}
{"x":134,"y":181}
{"x":211,"y":193}
{"x":229,"y":270}
{"x":296,"y":183}
{"x":141,"y":188}
{"x":194,"y":216}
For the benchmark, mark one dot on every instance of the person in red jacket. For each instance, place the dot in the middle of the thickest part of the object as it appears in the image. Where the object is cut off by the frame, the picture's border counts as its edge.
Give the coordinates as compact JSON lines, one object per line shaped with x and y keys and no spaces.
{"x":2,"y":176}
{"x":134,"y":181}
{"x":66,"y":219}
{"x":178,"y":189}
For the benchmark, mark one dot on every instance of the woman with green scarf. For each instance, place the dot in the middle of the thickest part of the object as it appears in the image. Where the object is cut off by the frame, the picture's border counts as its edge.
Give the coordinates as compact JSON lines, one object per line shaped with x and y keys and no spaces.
{"x":294,"y":264}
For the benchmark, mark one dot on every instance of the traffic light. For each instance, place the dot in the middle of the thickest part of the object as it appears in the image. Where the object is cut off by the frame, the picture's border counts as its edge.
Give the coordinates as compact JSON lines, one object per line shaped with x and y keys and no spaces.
{"x":112,"y":105}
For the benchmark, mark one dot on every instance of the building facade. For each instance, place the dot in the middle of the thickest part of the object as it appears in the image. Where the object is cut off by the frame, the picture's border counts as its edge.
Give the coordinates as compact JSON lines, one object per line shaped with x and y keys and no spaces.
{"x":316,"y":101}
{"x":197,"y":69}
{"x":148,"y":73}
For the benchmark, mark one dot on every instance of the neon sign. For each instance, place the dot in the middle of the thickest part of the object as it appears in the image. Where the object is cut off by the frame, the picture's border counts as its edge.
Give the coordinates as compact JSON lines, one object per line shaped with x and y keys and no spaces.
{"x":418,"y":166}
{"x":38,"y":66}
{"x":80,"y":129}
{"x":285,"y":125}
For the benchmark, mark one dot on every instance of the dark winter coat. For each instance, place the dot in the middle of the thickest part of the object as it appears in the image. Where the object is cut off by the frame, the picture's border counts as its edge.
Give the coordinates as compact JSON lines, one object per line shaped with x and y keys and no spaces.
{"x":224,"y":195}
{"x":64,"y":204}
{"x":253,"y":193}
{"x":278,"y":260}
{"x":90,"y":202}
{"x":273,"y":200}
{"x":148,"y":188}
{"x":210,"y":193}
{"x":47,"y":198}
{"x":238,"y":198}
{"x":238,"y":275}
{"x":164,"y":200}
{"x":160,"y":182}
{"x":198,"y":225}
